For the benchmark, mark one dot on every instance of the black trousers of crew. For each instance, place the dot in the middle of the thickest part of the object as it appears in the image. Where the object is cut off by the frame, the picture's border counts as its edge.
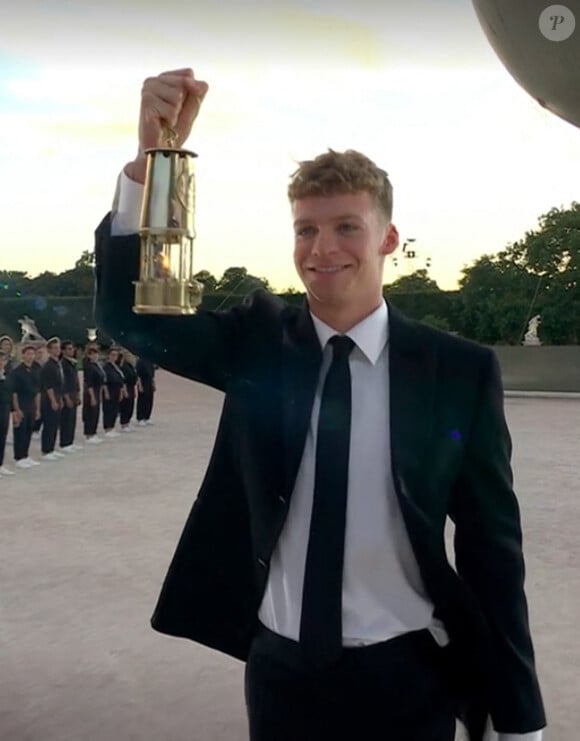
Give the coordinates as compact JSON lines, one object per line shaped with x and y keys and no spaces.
{"x":127,"y":407}
{"x":37,"y":424}
{"x":68,"y":425}
{"x":22,"y":434}
{"x":110,"y":412}
{"x":4,"y":424}
{"x":397,"y":690}
{"x":91,"y":415}
{"x":50,"y":424}
{"x":144,"y":404}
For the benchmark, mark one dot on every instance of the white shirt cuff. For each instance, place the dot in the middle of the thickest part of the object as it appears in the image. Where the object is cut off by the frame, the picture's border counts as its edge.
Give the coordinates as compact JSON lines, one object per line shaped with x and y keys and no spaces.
{"x":491,"y":735}
{"x":126,"y":210}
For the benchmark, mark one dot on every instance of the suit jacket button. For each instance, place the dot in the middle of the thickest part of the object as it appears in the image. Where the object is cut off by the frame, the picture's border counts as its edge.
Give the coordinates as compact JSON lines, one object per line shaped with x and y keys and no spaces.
{"x":282,"y":499}
{"x":262,"y":563}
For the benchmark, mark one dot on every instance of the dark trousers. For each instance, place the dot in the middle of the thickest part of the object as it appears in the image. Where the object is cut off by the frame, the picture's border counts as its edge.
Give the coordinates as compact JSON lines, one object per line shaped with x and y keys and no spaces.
{"x":397,"y":690}
{"x":110,"y":413}
{"x":50,"y":424}
{"x":4,"y":424}
{"x":22,"y":434}
{"x":68,"y":425}
{"x":90,"y":415}
{"x":144,"y":404}
{"x":127,"y":406}
{"x":37,"y":424}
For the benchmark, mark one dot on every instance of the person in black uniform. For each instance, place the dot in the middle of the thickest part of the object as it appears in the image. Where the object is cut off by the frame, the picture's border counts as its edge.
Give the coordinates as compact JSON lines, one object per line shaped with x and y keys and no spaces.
{"x":5,"y":407}
{"x":51,"y":399}
{"x":7,"y":347}
{"x":25,"y":383}
{"x":127,"y":406}
{"x":40,"y":358}
{"x":113,"y":392}
{"x":146,"y":391}
{"x":93,"y":381}
{"x":71,"y":398}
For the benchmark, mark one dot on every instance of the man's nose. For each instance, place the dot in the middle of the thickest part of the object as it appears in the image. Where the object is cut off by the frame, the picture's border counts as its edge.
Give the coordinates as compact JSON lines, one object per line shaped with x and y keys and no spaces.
{"x":324,"y":243}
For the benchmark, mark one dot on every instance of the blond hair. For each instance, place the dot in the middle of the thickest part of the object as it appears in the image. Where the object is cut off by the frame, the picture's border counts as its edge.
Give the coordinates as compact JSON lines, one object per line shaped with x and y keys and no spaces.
{"x":342,"y":172}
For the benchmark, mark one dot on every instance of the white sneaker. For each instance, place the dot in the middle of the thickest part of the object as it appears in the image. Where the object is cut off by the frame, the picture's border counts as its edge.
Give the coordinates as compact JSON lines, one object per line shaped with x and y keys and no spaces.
{"x":126,"y":428}
{"x":24,"y":463}
{"x":32,"y":462}
{"x":142,"y":423}
{"x":149,"y":422}
{"x":76,"y":447}
{"x":51,"y":457}
{"x":112,"y":433}
{"x":67,"y":449}
{"x":94,"y":440}
{"x":58,"y":454}
{"x":6,"y":471}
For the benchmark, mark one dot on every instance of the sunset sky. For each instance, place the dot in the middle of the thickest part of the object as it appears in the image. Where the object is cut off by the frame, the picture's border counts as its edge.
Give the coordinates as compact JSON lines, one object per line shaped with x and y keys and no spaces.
{"x":473,"y":159}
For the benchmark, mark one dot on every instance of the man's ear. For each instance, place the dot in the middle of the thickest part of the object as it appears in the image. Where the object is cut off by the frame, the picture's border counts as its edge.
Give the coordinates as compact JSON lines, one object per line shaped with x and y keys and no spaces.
{"x":390,"y":241}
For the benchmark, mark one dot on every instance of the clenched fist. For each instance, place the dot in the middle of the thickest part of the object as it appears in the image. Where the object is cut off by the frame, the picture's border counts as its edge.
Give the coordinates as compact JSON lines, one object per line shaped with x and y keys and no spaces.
{"x":169,"y":101}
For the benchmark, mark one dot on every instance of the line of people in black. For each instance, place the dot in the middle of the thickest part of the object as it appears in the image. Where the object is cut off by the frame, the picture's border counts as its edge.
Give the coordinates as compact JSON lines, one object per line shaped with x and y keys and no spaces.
{"x":41,"y":392}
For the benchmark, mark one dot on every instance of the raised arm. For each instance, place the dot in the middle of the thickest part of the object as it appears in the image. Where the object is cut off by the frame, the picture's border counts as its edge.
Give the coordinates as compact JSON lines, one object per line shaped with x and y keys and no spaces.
{"x":202,"y":347}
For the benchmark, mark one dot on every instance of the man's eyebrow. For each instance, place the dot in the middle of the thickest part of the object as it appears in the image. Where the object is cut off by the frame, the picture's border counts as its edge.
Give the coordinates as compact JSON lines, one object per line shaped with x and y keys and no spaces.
{"x":340,"y":217}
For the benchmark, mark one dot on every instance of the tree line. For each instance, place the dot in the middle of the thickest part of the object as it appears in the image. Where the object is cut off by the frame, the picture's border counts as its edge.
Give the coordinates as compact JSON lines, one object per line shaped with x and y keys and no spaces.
{"x":498,"y":293}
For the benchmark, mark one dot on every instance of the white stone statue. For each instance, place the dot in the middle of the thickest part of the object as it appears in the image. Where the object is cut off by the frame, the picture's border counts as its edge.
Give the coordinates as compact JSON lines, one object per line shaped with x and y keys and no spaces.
{"x":92,"y":334}
{"x":29,"y":330}
{"x":531,"y":336}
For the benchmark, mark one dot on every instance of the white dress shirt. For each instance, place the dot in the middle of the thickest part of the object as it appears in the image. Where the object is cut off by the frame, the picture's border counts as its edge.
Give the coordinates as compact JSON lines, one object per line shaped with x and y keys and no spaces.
{"x":378,"y":558}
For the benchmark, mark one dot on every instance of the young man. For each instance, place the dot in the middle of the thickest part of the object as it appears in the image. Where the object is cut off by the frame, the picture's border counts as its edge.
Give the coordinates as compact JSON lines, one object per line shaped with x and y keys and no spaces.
{"x":315,"y":550}
{"x":5,"y":408}
{"x":26,"y":406}
{"x":40,"y":358}
{"x":51,"y":400}
{"x":93,"y":381}
{"x":145,"y":391}
{"x":71,"y":398}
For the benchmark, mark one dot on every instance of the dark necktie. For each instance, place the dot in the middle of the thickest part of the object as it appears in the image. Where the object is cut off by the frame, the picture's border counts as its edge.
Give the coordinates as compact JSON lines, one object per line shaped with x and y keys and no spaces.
{"x":321,"y":618}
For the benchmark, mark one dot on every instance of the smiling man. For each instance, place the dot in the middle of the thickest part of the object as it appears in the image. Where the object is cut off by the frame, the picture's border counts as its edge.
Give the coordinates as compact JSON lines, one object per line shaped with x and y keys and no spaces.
{"x":315,"y":549}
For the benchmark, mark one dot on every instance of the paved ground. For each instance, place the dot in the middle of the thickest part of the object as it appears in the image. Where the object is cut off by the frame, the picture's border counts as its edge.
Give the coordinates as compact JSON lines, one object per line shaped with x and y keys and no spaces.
{"x":85,"y":543}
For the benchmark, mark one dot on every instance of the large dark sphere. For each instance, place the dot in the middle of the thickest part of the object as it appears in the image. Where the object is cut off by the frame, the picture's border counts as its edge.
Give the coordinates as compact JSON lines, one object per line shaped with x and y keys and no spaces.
{"x":547,"y":68}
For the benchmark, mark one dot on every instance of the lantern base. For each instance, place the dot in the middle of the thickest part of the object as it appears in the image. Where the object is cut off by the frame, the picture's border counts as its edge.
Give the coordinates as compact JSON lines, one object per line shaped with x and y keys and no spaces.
{"x":172,"y":297}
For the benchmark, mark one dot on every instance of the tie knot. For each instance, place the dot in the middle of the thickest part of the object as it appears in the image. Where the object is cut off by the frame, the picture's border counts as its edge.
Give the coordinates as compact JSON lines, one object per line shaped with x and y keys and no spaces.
{"x":341,"y":346}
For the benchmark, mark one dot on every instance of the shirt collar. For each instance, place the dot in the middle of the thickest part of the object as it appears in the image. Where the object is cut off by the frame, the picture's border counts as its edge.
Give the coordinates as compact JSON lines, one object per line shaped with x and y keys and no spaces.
{"x":370,"y":335}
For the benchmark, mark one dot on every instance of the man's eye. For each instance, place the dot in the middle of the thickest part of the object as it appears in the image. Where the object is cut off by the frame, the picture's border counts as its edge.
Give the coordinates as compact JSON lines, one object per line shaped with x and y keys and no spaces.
{"x":305,"y":231}
{"x":347,"y":227}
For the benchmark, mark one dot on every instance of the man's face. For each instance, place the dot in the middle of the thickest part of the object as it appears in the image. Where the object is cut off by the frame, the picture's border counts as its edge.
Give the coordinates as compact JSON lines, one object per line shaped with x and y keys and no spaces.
{"x":54,"y":350}
{"x":6,"y":346}
{"x":28,"y":356}
{"x":69,"y":351}
{"x":340,"y":244}
{"x":40,"y":354}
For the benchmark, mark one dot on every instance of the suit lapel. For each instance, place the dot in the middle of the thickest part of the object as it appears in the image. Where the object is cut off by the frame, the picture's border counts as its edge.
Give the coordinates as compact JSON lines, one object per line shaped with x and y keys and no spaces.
{"x":301,"y":360}
{"x":412,"y":371}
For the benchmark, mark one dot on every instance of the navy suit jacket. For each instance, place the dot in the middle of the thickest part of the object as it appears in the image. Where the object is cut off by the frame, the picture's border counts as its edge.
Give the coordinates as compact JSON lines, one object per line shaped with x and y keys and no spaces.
{"x":450,"y":451}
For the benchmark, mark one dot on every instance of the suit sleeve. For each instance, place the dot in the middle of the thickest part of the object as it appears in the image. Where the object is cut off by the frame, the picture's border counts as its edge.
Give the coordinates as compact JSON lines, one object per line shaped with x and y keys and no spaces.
{"x":489,"y":556}
{"x":202,"y":347}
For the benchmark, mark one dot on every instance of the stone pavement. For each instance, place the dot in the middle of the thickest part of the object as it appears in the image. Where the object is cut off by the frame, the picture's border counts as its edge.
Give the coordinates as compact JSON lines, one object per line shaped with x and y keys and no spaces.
{"x":86,"y":542}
